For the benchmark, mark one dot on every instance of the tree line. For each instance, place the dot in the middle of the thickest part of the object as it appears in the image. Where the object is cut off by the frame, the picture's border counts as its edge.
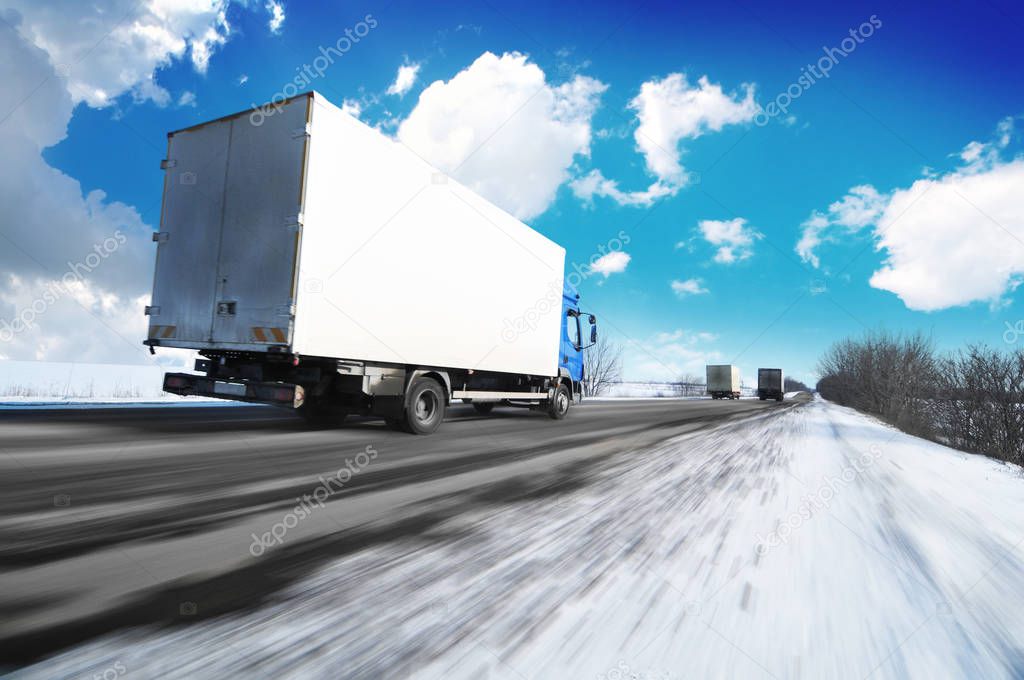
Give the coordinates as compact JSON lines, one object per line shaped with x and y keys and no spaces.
{"x":970,"y":399}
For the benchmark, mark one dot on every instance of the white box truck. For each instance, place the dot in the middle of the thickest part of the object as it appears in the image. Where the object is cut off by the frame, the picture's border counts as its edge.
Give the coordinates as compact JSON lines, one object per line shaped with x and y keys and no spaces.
{"x":318,"y":264}
{"x":770,"y":384}
{"x":723,"y":381}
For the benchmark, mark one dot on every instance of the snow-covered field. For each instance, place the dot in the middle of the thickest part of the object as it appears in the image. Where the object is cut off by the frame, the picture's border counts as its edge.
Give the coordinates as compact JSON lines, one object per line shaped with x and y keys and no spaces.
{"x":815,"y":543}
{"x":56,"y":385}
{"x":79,"y":381}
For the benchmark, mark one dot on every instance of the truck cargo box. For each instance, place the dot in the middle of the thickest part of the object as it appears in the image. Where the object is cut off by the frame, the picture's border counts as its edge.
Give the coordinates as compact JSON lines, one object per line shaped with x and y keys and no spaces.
{"x":302,"y":230}
{"x":770,"y":383}
{"x":723,"y":381}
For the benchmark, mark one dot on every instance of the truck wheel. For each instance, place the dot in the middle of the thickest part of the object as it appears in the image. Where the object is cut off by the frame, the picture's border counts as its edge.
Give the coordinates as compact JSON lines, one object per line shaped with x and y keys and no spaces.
{"x":558,"y":405}
{"x":319,"y":414}
{"x":425,"y":411}
{"x":483,"y":407}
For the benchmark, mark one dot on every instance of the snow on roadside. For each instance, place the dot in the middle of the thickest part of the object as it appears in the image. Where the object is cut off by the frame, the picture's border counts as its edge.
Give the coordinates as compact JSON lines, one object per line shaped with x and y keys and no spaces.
{"x":815,"y":542}
{"x":44,"y":404}
{"x":52,"y":381}
{"x":55,"y":385}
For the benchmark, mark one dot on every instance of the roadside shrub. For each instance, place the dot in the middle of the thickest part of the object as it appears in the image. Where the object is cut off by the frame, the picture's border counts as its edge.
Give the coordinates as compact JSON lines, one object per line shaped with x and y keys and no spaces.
{"x":980,"y":407}
{"x":972,"y":399}
{"x":890,"y":376}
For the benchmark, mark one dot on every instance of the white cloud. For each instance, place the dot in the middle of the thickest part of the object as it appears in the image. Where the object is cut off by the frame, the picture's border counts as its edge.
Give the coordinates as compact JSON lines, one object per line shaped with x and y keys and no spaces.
{"x":404,"y":80}
{"x":501,"y":129}
{"x":596,"y":184}
{"x":954,"y":240}
{"x":669,"y":355}
{"x":614,"y":262}
{"x":187,"y":98}
{"x":276,"y":9}
{"x":862,"y":206}
{"x":243,"y":79}
{"x":49,"y":227}
{"x":688,"y":287}
{"x":669,"y":111}
{"x":811,"y":237}
{"x":735,"y":240}
{"x":352,"y":107}
{"x":949,"y":239}
{"x":109,"y":47}
{"x":147,"y":90}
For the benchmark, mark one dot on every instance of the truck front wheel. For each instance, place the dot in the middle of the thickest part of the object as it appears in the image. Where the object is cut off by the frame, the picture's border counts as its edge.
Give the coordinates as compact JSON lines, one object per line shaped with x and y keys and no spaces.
{"x":426,"y":406}
{"x":558,"y":405}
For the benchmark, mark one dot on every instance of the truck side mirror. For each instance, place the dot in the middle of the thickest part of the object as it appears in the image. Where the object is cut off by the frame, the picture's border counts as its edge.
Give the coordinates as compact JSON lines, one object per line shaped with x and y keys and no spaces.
{"x":593,"y":331}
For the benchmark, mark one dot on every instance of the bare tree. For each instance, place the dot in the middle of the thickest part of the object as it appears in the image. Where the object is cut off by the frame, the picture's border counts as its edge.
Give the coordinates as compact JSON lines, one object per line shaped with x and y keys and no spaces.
{"x":891,"y":376}
{"x":972,"y":400}
{"x":602,"y":365}
{"x":979,"y":402}
{"x":794,"y":385}
{"x":691,"y":384}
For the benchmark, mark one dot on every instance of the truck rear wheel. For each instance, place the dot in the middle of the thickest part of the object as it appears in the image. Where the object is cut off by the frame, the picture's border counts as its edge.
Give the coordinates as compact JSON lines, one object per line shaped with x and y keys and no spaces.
{"x":483,"y":407}
{"x":425,"y":408}
{"x":558,"y":405}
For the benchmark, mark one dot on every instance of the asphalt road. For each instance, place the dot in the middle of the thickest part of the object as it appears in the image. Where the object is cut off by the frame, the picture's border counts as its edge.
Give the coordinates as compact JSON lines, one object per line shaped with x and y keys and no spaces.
{"x":112,"y":518}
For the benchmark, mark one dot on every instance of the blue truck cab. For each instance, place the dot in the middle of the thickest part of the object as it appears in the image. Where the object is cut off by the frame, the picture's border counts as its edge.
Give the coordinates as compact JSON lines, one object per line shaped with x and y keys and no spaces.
{"x":573,"y":341}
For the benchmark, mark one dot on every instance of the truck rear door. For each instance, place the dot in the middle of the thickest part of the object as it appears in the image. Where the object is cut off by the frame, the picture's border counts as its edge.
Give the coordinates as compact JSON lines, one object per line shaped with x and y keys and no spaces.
{"x":227,"y":260}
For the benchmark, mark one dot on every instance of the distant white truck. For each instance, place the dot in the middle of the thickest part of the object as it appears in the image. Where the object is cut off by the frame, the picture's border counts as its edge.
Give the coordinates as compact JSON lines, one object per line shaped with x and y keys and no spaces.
{"x":723,"y":381}
{"x":770,"y":384}
{"x":319,"y":265}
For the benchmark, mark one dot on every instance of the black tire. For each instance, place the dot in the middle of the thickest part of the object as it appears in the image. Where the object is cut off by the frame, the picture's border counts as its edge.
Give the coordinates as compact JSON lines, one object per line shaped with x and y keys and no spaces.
{"x":319,"y":414}
{"x":483,"y":407}
{"x":426,"y":406}
{"x":778,"y":398}
{"x":558,"y":405}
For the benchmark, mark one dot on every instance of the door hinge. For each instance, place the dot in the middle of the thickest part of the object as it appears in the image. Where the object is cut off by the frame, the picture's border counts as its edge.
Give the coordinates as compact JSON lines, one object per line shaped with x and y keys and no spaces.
{"x":168,"y":163}
{"x":152,"y":311}
{"x":285,"y":310}
{"x":293,"y":222}
{"x":161,"y":236}
{"x":304,"y":131}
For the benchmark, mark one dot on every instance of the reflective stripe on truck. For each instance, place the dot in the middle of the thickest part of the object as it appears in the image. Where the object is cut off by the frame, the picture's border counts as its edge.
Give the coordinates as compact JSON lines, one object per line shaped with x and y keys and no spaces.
{"x":278,"y":336}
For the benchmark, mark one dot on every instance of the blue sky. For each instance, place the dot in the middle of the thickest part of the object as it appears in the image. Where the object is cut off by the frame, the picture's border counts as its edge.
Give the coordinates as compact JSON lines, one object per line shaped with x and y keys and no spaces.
{"x":894,"y":114}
